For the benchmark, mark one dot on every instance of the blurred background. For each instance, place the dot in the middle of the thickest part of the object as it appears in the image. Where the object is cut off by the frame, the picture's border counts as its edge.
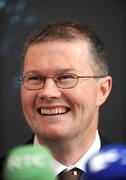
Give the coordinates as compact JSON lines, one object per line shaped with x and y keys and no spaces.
{"x":18,"y":18}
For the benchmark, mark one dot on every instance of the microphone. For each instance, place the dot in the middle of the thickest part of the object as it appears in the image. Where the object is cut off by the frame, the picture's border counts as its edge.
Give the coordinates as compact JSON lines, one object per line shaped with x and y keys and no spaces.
{"x":109,"y":163}
{"x":29,"y":163}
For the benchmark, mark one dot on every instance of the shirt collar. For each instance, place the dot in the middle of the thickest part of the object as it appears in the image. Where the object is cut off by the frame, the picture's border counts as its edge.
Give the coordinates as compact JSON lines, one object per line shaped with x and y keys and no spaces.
{"x":81,"y":164}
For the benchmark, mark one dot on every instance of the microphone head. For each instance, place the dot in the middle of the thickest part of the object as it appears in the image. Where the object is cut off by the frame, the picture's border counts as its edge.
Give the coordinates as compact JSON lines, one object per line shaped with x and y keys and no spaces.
{"x":108,"y":164}
{"x":29,"y":163}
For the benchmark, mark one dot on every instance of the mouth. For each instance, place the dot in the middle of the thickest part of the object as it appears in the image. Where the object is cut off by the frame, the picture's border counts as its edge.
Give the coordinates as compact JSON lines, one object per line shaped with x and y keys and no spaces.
{"x":53,"y":111}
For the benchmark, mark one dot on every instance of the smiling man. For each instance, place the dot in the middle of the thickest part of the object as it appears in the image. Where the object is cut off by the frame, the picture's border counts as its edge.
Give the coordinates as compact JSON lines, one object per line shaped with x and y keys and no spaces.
{"x":65,"y":80}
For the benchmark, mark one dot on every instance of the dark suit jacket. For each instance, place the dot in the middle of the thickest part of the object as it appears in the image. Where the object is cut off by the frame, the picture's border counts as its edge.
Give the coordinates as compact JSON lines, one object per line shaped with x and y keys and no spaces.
{"x":2,"y":159}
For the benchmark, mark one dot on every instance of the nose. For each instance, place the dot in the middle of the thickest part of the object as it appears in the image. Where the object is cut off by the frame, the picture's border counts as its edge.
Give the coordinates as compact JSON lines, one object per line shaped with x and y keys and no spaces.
{"x":49,"y":90}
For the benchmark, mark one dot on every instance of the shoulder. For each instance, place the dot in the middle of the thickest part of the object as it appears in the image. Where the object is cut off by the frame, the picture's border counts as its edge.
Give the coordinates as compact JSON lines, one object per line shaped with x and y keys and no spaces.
{"x":3,"y":158}
{"x":104,"y":141}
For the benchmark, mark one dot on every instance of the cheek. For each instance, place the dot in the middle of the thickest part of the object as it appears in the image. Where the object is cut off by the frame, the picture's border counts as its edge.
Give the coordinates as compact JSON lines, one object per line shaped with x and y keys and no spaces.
{"x":76,"y":98}
{"x":27,"y":98}
{"x":84,"y":97}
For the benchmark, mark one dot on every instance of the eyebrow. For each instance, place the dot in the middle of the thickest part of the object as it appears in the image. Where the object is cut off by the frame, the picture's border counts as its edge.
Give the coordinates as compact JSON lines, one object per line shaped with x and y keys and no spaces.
{"x":66,"y":70}
{"x":57,"y":72}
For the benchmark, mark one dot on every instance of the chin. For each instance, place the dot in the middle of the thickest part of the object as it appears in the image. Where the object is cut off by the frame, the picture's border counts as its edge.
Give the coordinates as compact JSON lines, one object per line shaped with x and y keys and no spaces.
{"x":52,"y":134}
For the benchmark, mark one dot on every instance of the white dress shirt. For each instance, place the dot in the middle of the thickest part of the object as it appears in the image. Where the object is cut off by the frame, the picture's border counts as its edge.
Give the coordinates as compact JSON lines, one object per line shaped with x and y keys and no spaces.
{"x":95,"y":147}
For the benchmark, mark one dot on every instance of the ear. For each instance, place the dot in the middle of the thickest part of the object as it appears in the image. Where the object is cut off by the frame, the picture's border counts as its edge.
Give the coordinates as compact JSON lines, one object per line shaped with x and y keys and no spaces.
{"x":104,"y":89}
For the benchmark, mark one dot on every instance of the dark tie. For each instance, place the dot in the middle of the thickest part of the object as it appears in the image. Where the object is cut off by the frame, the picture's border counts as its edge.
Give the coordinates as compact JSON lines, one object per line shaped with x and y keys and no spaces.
{"x":73,"y":174}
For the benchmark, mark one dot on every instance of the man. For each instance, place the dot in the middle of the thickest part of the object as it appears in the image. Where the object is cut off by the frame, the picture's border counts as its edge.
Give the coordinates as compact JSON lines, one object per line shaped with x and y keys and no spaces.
{"x":65,"y":80}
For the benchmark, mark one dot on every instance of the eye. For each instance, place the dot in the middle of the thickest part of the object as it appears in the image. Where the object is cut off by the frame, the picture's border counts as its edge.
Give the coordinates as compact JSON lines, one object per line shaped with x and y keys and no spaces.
{"x":65,"y":77}
{"x":33,"y":78}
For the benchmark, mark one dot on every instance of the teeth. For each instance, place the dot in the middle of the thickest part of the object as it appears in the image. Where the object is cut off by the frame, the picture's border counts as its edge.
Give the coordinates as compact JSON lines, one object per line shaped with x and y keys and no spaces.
{"x":53,"y":111}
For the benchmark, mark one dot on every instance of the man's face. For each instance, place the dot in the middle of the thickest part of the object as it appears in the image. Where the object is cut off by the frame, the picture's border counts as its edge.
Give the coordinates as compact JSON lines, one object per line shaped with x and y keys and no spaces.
{"x":70,"y":112}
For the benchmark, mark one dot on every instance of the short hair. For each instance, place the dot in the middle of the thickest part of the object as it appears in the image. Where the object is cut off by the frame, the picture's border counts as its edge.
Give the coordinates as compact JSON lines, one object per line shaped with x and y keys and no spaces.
{"x":70,"y":30}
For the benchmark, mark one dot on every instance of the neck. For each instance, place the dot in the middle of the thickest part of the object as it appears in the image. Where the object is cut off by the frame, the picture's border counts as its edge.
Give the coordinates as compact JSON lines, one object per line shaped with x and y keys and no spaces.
{"x":68,"y":152}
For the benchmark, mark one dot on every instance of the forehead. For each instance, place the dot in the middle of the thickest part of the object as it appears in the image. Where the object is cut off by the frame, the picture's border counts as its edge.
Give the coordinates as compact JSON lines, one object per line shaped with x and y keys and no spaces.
{"x":56,"y":55}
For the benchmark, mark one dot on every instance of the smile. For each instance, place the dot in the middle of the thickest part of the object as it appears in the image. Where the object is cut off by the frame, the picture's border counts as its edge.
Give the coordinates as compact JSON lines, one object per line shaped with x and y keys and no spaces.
{"x":54,"y":111}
